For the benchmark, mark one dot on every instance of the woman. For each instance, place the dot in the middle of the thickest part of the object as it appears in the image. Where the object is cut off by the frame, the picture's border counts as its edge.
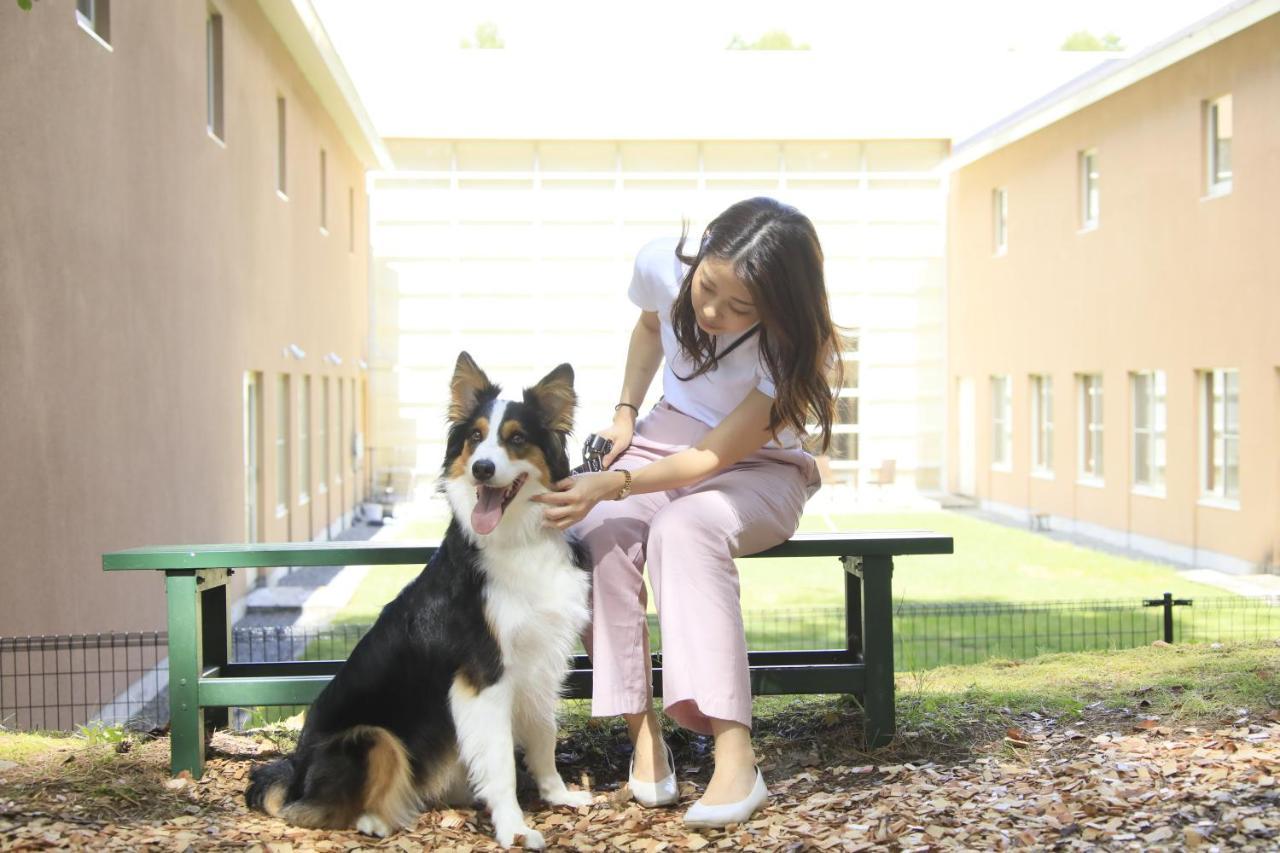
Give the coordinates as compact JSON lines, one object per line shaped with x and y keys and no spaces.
{"x":715,"y":470}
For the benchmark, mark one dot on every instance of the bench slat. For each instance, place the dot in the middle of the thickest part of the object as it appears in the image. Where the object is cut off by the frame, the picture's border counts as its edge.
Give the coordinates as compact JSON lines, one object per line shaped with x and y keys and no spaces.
{"x":261,"y":555}
{"x":249,"y":691}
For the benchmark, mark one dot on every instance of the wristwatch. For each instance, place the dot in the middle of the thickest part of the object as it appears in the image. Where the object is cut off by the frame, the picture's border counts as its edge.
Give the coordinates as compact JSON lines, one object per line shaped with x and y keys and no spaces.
{"x":626,"y":486}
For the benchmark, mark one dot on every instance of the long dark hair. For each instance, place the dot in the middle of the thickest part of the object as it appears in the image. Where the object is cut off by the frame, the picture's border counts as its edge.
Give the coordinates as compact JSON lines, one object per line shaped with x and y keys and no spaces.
{"x":775,"y":251}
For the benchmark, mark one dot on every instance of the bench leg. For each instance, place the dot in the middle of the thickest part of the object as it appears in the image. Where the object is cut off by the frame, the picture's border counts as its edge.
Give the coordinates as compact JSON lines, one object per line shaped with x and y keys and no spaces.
{"x":186,"y":719}
{"x":215,"y":642}
{"x":877,"y":649}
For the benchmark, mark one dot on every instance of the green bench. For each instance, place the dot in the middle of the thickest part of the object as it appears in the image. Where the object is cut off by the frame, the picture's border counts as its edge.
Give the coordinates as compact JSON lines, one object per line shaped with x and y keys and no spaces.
{"x":204,"y":682}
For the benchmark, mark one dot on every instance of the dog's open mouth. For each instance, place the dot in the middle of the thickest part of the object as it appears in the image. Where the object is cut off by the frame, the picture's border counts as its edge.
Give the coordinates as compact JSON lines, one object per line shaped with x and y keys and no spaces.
{"x":491,"y":501}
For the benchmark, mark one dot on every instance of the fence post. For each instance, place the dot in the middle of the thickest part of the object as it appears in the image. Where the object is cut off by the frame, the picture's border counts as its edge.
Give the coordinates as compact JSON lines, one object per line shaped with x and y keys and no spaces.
{"x":1168,"y":602}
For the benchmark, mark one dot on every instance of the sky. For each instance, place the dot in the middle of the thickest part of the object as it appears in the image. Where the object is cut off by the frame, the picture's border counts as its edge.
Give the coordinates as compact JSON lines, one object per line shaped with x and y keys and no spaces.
{"x":826,"y":25}
{"x":415,"y":80}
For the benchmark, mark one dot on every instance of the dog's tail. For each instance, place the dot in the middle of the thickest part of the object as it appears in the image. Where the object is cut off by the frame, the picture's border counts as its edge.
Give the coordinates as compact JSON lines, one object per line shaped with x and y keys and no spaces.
{"x":269,"y":785}
{"x":359,"y":778}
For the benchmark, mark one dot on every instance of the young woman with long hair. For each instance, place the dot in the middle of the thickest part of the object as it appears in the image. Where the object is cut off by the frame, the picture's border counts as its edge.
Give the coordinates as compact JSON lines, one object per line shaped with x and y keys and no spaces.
{"x":714,"y":470}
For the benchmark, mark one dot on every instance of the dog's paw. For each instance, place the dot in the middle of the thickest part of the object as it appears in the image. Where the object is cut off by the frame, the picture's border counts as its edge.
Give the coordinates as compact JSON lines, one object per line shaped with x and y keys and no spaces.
{"x":370,"y":824}
{"x":533,"y":839}
{"x":573,"y":799}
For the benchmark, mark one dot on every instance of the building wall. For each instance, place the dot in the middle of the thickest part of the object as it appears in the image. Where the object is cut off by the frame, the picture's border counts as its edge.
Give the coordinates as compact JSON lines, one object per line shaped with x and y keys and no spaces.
{"x":1172,"y":279}
{"x":145,"y":267}
{"x":521,"y":251}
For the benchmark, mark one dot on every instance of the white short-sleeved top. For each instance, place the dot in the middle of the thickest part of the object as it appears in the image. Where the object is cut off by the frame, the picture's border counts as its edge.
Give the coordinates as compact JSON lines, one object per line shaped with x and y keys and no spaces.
{"x":655,"y":283}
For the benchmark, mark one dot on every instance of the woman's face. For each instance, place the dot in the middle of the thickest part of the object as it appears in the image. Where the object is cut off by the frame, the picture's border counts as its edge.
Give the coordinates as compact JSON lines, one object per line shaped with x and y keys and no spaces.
{"x":722,"y":305}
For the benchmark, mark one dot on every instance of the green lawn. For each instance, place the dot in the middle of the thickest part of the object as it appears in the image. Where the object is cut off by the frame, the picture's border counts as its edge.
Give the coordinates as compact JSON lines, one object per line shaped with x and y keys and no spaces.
{"x":959,"y":608}
{"x":992,"y":563}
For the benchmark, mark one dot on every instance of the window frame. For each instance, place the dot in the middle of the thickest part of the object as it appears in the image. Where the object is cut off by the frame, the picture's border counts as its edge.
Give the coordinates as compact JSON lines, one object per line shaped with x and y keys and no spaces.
{"x":304,"y":440}
{"x":351,"y":220}
{"x":1042,"y":425}
{"x":282,"y":147}
{"x":1214,"y":185}
{"x":94,"y":17}
{"x":1213,"y":489}
{"x":284,"y":420}
{"x":1090,"y":195}
{"x":1001,"y":422}
{"x":1153,"y":424}
{"x":215,"y":91}
{"x":1000,"y":221}
{"x":844,"y":433}
{"x":1091,"y":433}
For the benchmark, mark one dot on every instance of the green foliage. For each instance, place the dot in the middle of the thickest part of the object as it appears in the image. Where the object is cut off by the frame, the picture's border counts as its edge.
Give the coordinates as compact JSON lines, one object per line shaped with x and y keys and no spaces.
{"x":98,"y":732}
{"x":1085,"y":40}
{"x":24,"y":5}
{"x":486,"y":37}
{"x":772,"y":40}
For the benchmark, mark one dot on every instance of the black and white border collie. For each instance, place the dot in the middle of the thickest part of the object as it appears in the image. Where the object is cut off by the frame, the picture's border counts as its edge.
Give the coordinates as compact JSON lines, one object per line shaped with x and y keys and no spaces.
{"x":467,"y":663}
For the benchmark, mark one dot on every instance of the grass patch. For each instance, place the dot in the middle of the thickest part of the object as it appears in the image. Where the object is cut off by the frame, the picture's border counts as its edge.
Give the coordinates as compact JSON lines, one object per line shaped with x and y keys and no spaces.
{"x":25,"y":746}
{"x":948,"y":713}
{"x":96,"y":781}
{"x":797,"y":603}
{"x":992,"y":563}
{"x":1178,"y":682}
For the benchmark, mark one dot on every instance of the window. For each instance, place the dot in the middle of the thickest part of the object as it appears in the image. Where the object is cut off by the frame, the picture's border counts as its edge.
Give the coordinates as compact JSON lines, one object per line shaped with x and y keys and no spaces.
{"x":304,"y":440}
{"x":844,"y":430}
{"x":355,"y":430}
{"x":1091,"y":427}
{"x":1089,"y":189}
{"x":1042,"y":424}
{"x":213,"y":69}
{"x":282,"y":166}
{"x":252,"y":455}
{"x":1000,"y":219}
{"x":351,"y":219}
{"x":1149,"y":430}
{"x":1220,"y":443}
{"x":282,"y":446}
{"x":1001,"y":421}
{"x":94,"y":16}
{"x":342,"y":419}
{"x":323,"y":436}
{"x":1218,"y":123}
{"x":324,"y":192}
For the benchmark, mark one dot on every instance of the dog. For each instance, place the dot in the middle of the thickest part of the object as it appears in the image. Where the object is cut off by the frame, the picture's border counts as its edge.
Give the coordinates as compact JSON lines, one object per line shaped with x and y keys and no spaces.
{"x":468,"y":661}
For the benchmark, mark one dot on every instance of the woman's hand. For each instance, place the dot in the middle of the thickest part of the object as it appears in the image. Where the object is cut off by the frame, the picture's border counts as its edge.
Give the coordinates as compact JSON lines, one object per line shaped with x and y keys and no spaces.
{"x":576,"y":496}
{"x":620,"y":433}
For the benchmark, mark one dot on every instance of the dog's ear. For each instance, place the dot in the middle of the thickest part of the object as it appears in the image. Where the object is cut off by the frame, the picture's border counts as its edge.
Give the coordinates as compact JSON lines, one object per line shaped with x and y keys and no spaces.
{"x":554,"y":396}
{"x":466,"y":387}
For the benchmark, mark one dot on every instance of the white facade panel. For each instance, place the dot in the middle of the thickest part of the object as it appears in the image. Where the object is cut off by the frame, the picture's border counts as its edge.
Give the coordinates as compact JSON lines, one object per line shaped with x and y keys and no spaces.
{"x":521,"y":253}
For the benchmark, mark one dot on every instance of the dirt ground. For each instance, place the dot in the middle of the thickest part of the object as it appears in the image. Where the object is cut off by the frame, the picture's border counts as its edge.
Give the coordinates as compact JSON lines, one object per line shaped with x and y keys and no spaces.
{"x":1107,"y":780}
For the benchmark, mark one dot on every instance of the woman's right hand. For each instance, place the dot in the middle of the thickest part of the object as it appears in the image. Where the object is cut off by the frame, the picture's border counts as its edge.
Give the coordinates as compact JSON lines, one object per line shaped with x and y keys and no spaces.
{"x":620,"y":433}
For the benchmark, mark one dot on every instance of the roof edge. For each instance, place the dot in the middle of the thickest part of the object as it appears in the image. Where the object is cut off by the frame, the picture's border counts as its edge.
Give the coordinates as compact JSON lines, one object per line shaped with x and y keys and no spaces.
{"x":304,"y":36}
{"x":1110,"y":77}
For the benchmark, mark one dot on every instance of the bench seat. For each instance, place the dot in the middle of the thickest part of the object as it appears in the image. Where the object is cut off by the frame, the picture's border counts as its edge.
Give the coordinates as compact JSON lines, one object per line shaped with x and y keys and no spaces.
{"x":204,"y":683}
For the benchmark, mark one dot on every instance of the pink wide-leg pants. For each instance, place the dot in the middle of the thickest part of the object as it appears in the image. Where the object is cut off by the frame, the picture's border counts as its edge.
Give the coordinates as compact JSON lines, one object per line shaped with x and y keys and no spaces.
{"x":688,"y":538}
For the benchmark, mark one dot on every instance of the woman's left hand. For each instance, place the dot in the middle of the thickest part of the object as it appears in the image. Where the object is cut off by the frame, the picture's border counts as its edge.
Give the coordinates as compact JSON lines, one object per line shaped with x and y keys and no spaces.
{"x":576,"y":496}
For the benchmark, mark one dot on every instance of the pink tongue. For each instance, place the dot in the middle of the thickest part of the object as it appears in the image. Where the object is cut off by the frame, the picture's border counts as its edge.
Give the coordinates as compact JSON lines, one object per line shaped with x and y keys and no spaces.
{"x":488,"y":511}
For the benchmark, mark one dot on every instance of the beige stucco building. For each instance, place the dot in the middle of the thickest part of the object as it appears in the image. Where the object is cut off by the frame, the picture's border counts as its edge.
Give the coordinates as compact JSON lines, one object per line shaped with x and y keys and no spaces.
{"x":1113,"y":301}
{"x":183,"y":293}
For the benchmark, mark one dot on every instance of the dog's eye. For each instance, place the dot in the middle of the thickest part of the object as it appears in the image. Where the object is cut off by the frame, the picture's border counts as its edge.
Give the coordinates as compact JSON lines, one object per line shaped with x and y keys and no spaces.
{"x":517,"y":438}
{"x":477,"y":436}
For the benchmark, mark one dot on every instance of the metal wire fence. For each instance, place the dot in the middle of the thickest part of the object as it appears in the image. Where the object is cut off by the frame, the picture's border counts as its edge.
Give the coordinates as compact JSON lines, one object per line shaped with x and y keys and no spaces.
{"x":59,"y":683}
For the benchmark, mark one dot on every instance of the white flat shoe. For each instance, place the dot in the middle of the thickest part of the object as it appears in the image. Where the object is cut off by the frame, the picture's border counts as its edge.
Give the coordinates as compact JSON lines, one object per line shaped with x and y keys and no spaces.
{"x":703,"y":816}
{"x":664,"y":792}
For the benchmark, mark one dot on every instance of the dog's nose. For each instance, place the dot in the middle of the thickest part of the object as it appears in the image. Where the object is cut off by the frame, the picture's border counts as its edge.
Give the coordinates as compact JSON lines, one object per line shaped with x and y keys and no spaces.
{"x":482,"y":469}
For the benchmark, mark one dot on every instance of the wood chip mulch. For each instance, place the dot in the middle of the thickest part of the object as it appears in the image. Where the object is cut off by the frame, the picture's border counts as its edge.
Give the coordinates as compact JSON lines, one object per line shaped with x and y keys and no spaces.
{"x":1143,"y":786}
